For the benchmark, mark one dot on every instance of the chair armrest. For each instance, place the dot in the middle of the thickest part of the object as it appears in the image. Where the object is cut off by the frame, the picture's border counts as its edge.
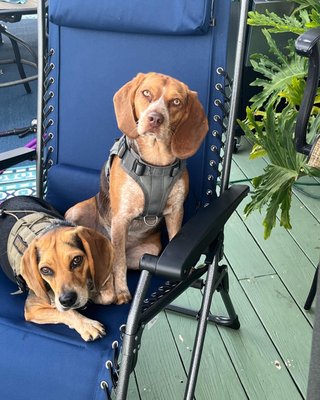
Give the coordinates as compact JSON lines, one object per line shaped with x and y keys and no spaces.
{"x":185,"y":249}
{"x":307,"y":45}
{"x":12,"y":157}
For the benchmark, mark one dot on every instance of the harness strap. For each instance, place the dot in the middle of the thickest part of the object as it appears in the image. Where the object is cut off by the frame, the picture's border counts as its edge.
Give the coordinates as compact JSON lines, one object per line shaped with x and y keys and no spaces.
{"x":156,"y":182}
{"x":20,"y":237}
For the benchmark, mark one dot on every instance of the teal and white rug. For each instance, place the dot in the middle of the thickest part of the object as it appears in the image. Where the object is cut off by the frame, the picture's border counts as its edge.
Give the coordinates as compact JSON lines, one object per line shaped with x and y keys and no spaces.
{"x":18,"y":181}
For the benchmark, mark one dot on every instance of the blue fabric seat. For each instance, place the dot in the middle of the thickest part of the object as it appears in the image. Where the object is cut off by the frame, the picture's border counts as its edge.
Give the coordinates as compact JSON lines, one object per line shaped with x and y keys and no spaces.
{"x":94,"y":48}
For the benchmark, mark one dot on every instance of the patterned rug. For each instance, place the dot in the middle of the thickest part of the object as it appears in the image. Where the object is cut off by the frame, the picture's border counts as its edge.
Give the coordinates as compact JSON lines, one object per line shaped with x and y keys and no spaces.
{"x":18,"y":181}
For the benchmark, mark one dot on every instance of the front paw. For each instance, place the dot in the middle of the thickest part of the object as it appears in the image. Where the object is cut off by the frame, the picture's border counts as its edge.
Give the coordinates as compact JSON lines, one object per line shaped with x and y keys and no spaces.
{"x":105,"y":297}
{"x":91,"y":330}
{"x":123,"y":296}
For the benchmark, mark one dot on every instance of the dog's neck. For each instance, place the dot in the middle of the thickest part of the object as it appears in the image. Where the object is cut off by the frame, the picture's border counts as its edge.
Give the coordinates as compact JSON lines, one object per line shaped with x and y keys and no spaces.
{"x":154,"y":151}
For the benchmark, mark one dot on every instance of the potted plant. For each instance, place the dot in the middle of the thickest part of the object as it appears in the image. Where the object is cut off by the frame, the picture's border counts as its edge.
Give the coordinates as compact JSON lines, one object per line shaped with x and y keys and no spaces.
{"x":270,"y":119}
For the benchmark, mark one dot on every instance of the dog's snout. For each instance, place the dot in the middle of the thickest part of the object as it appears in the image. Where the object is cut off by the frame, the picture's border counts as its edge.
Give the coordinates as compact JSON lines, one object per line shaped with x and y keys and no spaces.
{"x":155,"y":119}
{"x":68,"y":299}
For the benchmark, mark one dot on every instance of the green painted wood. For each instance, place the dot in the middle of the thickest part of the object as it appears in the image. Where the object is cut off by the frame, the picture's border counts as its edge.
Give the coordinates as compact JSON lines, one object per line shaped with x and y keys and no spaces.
{"x":217,"y":377}
{"x":287,"y":258}
{"x":159,"y":372}
{"x":305,"y":211}
{"x":133,"y":392}
{"x":241,"y":245}
{"x":285,"y":324}
{"x":250,"y":349}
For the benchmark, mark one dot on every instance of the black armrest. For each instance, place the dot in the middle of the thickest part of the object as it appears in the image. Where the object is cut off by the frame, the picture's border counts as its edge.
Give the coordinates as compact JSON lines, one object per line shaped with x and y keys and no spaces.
{"x":12,"y":157}
{"x":307,"y":45}
{"x":185,"y":249}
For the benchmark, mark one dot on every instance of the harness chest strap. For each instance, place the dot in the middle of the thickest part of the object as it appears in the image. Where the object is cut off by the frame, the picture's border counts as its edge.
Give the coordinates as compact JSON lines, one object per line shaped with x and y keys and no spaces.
{"x":156,"y":182}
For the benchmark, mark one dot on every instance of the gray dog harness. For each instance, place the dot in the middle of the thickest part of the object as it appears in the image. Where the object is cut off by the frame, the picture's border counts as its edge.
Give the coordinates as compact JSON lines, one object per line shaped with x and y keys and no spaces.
{"x":22,"y":219}
{"x":156,"y":182}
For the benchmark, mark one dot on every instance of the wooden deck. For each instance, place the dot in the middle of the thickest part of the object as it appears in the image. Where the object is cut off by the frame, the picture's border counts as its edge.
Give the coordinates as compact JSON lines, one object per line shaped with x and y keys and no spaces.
{"x":268,"y":357}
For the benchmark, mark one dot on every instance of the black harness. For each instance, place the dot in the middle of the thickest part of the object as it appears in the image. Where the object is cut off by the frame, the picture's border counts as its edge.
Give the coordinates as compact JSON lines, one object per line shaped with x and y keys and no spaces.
{"x":156,"y":182}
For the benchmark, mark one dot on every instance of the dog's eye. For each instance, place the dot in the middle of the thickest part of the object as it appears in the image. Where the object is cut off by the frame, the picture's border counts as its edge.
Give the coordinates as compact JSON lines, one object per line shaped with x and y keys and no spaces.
{"x":46,"y":271}
{"x":176,"y":102}
{"x":76,"y":262}
{"x":146,"y":93}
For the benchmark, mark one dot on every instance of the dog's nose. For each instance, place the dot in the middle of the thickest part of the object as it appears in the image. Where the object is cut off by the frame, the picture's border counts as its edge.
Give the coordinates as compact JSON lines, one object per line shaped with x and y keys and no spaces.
{"x":68,"y":299}
{"x":155,"y":119}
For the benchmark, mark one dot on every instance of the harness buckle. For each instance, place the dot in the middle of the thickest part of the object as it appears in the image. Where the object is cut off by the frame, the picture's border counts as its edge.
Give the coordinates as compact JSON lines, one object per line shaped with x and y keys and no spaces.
{"x":156,"y":220}
{"x":138,"y":168}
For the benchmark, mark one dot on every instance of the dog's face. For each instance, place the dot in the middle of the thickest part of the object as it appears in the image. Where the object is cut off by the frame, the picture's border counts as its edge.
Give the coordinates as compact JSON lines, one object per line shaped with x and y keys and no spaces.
{"x":161,"y":106}
{"x":68,"y":261}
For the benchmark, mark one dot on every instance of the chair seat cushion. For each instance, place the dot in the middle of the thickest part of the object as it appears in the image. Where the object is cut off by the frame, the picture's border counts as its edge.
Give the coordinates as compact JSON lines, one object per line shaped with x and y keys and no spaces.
{"x":75,"y":368}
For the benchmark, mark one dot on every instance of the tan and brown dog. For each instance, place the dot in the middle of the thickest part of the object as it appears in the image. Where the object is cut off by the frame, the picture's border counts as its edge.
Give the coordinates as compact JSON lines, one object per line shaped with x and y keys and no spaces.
{"x":164,"y":123}
{"x":64,"y":269}
{"x":60,"y":265}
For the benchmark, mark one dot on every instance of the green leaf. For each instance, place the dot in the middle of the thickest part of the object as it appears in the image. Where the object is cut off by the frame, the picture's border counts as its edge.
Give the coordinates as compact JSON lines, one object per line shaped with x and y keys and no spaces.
{"x":273,"y":189}
{"x":280,"y":75}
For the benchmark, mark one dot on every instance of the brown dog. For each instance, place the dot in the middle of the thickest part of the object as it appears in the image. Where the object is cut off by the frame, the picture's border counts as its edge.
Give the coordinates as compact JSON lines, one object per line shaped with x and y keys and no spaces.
{"x":163,"y":123}
{"x":64,"y":268}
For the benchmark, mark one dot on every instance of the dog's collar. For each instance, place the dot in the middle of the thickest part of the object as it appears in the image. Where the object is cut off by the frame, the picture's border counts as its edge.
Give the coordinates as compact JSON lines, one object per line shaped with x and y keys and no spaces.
{"x":155,"y":181}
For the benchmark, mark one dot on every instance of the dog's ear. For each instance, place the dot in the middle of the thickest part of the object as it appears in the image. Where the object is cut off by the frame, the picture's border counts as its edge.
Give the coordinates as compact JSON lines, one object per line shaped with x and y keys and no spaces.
{"x":189,"y":134}
{"x":100,"y":253}
{"x":31,"y":274}
{"x":123,"y":102}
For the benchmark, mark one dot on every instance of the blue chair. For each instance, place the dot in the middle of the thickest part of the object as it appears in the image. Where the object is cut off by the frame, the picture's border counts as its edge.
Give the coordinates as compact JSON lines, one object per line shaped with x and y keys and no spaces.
{"x":93,"y":49}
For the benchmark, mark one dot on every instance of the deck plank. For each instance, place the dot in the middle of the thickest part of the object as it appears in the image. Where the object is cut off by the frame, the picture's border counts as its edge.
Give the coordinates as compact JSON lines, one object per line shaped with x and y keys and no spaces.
{"x":216,"y":368}
{"x":305,"y":211}
{"x":159,"y":373}
{"x":285,"y":324}
{"x":287,"y":258}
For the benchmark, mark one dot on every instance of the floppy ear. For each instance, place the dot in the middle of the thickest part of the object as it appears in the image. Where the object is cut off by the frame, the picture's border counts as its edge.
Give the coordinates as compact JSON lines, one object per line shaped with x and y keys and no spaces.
{"x":123,"y":102}
{"x":100,"y":253}
{"x":31,"y":274}
{"x":191,"y":131}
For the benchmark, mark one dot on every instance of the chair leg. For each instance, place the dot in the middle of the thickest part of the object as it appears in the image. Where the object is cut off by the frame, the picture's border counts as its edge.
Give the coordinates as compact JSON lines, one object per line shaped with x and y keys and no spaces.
{"x":17,"y":56}
{"x":221,"y":284}
{"x":313,"y":290}
{"x":131,"y":337}
{"x":212,"y":278}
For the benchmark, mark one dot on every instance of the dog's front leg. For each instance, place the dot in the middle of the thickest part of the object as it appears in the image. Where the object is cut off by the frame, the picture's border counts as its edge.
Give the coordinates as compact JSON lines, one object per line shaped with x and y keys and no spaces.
{"x":174,"y":222}
{"x":119,"y":233}
{"x":39,"y":311}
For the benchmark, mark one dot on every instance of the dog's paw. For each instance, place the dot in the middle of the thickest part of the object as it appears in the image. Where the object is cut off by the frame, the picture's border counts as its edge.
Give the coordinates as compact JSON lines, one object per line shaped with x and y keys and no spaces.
{"x":91,"y":330}
{"x":123,"y":296}
{"x":105,"y":297}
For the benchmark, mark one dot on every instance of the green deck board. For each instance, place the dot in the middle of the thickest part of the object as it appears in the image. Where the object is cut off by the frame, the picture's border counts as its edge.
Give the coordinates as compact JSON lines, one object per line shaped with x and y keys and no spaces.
{"x":251,"y":351}
{"x":160,"y":374}
{"x":282,"y":251}
{"x":239,"y":245}
{"x":284,"y":323}
{"x":217,"y":378}
{"x":301,"y":216}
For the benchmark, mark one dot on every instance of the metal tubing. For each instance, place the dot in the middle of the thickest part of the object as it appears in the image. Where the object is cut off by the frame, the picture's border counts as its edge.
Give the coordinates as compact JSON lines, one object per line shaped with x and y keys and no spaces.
{"x":41,"y":56}
{"x":201,"y":329}
{"x":238,"y":64}
{"x":129,"y":341}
